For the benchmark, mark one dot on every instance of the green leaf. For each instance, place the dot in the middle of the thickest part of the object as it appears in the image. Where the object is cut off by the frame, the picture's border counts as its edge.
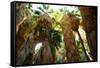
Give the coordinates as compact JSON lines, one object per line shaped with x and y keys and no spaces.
{"x":37,"y":12}
{"x":55,"y":38}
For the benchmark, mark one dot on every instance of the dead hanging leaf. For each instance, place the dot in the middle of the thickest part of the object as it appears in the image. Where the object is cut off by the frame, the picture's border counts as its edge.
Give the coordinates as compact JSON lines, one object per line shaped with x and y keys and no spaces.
{"x":20,"y":23}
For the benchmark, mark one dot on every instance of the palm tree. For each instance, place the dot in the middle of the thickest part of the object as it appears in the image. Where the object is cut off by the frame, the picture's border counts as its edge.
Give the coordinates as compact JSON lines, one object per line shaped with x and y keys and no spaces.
{"x":71,"y":50}
{"x":89,"y":16}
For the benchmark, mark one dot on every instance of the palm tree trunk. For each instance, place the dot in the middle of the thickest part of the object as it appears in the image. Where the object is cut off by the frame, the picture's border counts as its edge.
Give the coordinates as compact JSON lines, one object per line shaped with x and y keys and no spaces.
{"x":89,"y":16}
{"x":71,"y":50}
{"x":44,"y":55}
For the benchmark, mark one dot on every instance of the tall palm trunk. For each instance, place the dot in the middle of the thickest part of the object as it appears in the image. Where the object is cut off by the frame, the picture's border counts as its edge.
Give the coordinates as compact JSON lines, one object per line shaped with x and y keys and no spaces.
{"x":89,"y":24}
{"x":44,"y":56}
{"x":71,"y":50}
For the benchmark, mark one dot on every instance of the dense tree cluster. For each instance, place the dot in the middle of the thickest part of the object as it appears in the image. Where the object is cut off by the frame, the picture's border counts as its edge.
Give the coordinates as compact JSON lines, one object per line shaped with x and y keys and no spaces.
{"x":56,"y":33}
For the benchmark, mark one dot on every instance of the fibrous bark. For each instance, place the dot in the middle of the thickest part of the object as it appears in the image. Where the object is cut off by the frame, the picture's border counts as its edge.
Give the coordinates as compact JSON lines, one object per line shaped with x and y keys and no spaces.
{"x":89,"y":16}
{"x":67,"y":28}
{"x":44,"y":55}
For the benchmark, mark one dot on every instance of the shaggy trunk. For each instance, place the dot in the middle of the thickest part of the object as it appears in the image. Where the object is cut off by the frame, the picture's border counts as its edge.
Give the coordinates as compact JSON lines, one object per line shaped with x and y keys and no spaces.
{"x":44,"y":55}
{"x":89,"y":24}
{"x":71,"y":51}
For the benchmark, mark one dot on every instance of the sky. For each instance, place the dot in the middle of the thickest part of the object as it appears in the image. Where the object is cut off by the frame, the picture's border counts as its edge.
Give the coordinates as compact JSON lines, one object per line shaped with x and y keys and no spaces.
{"x":56,"y":7}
